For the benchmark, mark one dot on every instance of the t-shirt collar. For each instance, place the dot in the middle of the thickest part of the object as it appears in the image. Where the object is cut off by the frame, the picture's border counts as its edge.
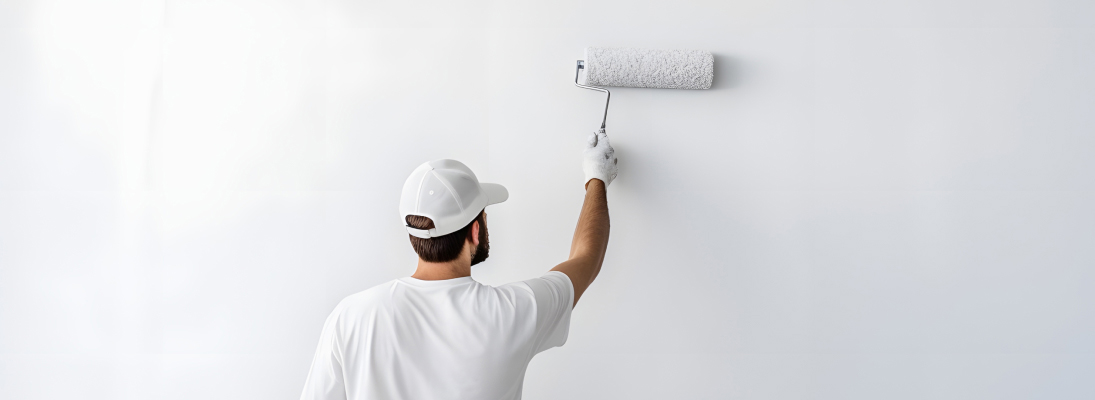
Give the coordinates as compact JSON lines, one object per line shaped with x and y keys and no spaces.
{"x":436,"y":283}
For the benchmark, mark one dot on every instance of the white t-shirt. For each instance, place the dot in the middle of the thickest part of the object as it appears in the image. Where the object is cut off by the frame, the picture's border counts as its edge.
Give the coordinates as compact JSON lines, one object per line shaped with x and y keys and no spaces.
{"x":447,"y":339}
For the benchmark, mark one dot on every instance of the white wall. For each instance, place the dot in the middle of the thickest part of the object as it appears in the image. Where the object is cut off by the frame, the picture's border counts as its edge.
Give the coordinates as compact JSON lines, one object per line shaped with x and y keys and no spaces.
{"x":877,"y":200}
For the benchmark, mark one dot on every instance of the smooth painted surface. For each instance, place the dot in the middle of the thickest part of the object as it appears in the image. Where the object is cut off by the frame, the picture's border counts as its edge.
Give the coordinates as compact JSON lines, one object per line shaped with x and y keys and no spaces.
{"x":876,"y":199}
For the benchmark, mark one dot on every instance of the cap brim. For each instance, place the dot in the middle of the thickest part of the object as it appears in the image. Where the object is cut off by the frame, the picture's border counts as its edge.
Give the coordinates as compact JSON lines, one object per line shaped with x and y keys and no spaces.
{"x":495,"y":193}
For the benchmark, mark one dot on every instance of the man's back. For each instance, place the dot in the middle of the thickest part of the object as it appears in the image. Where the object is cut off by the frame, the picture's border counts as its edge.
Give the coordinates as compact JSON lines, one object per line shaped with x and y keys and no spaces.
{"x":453,"y":338}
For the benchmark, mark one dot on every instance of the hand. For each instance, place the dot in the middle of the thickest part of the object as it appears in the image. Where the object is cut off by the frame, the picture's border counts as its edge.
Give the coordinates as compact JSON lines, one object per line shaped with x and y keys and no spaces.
{"x":600,"y":159}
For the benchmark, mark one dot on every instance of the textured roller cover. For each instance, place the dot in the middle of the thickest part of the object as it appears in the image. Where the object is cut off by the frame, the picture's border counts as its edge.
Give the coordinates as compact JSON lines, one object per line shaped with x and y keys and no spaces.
{"x":647,"y":68}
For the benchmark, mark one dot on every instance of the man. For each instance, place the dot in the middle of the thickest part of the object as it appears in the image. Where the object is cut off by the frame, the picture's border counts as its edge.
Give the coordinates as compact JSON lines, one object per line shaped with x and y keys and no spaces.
{"x":438,"y":334}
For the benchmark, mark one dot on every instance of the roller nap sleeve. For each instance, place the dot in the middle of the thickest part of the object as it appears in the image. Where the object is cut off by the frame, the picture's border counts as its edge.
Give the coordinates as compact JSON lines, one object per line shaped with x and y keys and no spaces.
{"x":649,"y":68}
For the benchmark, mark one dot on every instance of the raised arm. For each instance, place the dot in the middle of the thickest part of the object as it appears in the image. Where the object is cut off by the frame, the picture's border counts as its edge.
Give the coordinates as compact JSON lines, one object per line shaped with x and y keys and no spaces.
{"x":587,"y":249}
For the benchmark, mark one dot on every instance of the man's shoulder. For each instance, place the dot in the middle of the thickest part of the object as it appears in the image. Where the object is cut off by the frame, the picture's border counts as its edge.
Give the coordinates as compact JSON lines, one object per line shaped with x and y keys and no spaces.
{"x":369,"y":298}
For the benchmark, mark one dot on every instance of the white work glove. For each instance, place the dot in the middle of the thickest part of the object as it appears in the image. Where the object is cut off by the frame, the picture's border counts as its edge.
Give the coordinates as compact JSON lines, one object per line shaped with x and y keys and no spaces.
{"x":599,"y":159}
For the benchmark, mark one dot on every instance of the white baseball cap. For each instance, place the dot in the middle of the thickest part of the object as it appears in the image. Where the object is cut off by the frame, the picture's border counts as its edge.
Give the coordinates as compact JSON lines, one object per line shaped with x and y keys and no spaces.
{"x":447,"y":192}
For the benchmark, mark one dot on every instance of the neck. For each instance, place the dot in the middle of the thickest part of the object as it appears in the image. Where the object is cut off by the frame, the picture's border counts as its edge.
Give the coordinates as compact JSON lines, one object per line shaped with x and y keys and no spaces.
{"x":431,"y":271}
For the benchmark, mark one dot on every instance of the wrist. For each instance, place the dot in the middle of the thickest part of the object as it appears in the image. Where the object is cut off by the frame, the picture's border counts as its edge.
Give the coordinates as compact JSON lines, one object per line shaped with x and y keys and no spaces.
{"x":595,"y":182}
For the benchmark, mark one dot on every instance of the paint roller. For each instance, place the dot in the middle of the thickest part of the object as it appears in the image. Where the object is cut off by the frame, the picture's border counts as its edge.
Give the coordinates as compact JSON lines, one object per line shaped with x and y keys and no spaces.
{"x":644,"y":68}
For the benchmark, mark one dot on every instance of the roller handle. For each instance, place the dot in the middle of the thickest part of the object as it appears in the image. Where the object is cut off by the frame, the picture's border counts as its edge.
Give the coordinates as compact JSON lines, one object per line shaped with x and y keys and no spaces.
{"x":608,"y":95}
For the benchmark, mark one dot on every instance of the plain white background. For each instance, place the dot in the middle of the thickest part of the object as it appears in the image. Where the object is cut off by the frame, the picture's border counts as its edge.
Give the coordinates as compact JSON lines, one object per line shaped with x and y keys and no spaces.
{"x":876,"y":200}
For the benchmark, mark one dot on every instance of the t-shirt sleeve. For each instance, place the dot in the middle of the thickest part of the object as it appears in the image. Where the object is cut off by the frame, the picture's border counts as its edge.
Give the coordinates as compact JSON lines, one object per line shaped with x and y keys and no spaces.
{"x":554,"y":294}
{"x":325,"y":380}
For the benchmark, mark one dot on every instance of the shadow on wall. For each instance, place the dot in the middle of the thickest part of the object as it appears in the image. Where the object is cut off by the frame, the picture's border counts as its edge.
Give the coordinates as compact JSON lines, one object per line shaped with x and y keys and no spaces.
{"x":727,"y":72}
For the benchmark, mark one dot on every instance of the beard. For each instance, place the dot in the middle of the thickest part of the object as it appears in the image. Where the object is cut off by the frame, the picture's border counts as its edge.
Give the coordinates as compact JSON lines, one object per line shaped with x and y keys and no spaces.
{"x":482,"y":251}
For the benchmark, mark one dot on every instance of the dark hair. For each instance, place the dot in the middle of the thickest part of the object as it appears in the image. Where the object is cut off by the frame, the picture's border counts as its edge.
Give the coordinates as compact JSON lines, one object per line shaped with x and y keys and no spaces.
{"x":442,"y":248}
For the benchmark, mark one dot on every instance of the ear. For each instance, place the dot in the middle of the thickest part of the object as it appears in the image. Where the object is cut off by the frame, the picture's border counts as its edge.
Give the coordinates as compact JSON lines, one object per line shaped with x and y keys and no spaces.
{"x":475,"y":233}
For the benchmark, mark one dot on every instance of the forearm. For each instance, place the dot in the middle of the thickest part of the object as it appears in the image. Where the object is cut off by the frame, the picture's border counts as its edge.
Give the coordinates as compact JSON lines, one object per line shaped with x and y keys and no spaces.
{"x":591,"y":235}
